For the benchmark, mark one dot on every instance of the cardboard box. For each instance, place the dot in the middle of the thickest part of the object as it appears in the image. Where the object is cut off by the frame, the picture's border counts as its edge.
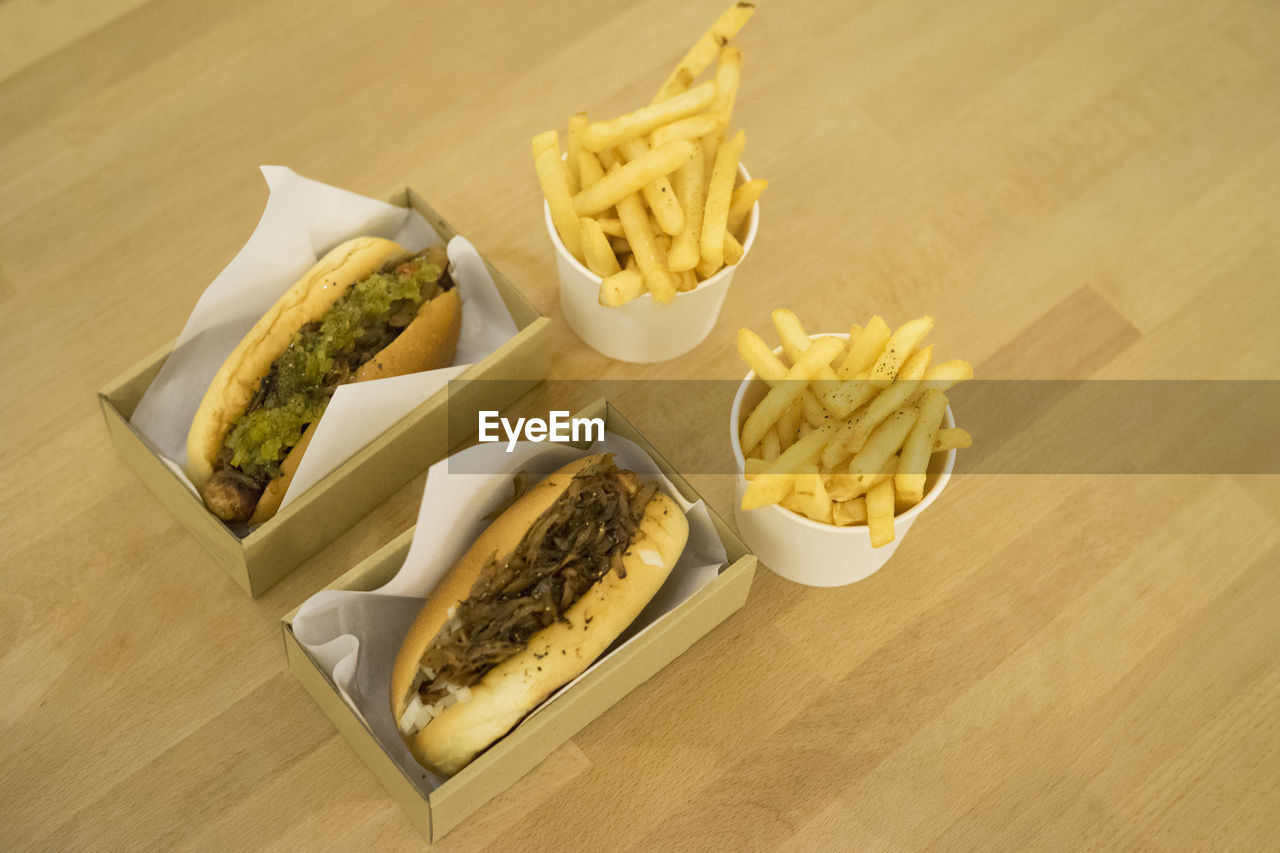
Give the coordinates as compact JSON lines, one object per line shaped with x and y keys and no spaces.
{"x":520,"y":751}
{"x":330,"y":507}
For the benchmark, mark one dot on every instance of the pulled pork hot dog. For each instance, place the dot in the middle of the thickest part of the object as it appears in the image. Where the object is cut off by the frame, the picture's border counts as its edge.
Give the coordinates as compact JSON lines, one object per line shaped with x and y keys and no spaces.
{"x":543,"y":591}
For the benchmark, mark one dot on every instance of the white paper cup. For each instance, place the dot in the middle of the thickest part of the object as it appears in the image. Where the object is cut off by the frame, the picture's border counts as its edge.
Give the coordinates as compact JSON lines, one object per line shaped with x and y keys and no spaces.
{"x":643,"y":331}
{"x":810,"y":552}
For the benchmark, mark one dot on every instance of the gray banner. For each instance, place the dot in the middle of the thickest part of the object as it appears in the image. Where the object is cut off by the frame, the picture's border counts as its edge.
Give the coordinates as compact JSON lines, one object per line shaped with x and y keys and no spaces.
{"x":1018,"y":426}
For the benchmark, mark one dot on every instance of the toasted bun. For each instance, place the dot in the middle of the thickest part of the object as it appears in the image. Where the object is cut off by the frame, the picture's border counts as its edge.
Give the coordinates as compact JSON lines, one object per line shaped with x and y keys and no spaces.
{"x":427,"y":343}
{"x":556,"y":654}
{"x":307,"y":301}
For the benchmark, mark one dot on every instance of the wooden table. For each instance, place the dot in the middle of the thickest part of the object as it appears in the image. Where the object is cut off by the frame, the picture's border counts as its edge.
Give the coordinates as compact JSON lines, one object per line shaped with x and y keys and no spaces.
{"x":1078,"y":189}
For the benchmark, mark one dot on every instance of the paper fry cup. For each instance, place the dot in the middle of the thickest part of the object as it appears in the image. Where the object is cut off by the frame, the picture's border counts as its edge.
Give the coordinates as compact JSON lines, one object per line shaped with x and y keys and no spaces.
{"x":807,"y":551}
{"x":643,"y":331}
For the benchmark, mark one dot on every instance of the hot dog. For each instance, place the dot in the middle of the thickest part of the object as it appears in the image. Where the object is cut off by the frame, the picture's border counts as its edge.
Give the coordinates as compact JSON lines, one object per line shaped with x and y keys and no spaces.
{"x":539,"y":595}
{"x":367,"y":309}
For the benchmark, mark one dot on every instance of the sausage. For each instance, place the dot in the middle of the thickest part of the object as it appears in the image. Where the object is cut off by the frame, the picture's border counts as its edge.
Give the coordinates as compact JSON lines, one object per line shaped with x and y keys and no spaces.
{"x":230,"y":498}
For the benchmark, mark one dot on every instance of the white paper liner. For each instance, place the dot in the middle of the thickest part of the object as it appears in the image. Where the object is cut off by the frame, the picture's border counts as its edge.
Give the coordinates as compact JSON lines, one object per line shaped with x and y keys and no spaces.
{"x":354,"y":636}
{"x":302,"y":221}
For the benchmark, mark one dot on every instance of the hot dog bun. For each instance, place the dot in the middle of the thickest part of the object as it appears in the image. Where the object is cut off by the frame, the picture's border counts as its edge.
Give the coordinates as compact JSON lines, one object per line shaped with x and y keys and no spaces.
{"x":429,"y":341}
{"x":554,"y":655}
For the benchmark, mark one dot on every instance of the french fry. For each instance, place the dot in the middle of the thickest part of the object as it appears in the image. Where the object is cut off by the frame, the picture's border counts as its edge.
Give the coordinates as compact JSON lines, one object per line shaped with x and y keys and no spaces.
{"x":728,"y":75}
{"x":766,"y":414}
{"x":778,"y":479}
{"x":769,"y":446}
{"x":814,"y":413}
{"x":744,"y":198}
{"x":573,"y":143}
{"x":793,"y":501}
{"x":733,"y":250}
{"x":809,"y":497}
{"x":880,"y":514}
{"x":554,"y":178}
{"x":685,"y":280}
{"x":606,"y":134}
{"x":658,"y":193}
{"x":612,"y":227}
{"x":865,"y":348}
{"x":755,"y":466}
{"x":838,"y":451}
{"x":707,"y":268}
{"x":599,"y":255}
{"x":901,"y":345}
{"x":693,"y":127}
{"x":864,"y":416}
{"x":635,"y":224}
{"x":940,"y":377}
{"x":908,"y":482}
{"x":855,"y":331}
{"x":756,"y":353}
{"x":788,"y":425}
{"x":849,"y":512}
{"x":608,"y":158}
{"x":844,"y":487}
{"x":759,"y":357}
{"x":691,"y":192}
{"x":953,"y":438}
{"x":847,"y":395}
{"x":590,"y":171}
{"x":890,"y":399}
{"x":662,"y":241}
{"x":621,"y":287}
{"x":880,"y":447}
{"x":870,"y":481}
{"x":678,"y":88}
{"x":710,"y":144}
{"x":795,"y":340}
{"x":704,"y":50}
{"x":766,"y":488}
{"x":632,"y":177}
{"x":719,"y":191}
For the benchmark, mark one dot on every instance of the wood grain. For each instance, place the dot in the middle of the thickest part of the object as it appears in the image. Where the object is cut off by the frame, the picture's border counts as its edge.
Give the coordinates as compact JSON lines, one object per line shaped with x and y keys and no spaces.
{"x":1074,"y":190}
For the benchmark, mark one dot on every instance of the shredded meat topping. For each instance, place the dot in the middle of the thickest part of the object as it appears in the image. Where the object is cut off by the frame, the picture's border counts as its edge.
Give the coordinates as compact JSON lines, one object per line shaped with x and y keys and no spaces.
{"x":568,"y":549}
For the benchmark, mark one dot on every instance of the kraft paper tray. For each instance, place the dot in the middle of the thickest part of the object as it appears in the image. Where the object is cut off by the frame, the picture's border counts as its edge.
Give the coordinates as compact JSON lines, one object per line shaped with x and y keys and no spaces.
{"x":534,"y":739}
{"x":325,"y":511}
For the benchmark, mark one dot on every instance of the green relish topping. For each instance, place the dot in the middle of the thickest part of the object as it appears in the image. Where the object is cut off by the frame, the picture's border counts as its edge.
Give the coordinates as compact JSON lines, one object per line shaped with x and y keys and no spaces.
{"x":322,"y":356}
{"x":262,"y":438}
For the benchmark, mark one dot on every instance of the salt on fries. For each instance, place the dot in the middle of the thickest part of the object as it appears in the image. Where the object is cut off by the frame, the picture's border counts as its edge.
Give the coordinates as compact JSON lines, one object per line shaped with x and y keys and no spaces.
{"x":657,"y":184}
{"x":845,"y":432}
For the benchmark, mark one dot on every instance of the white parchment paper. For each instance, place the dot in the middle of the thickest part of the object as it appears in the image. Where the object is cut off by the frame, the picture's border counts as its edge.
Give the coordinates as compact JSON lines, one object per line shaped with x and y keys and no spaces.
{"x":355,"y":636}
{"x":302,"y":221}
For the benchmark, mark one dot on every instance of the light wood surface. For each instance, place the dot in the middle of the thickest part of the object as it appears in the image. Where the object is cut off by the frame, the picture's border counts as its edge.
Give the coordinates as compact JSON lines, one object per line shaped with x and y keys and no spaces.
{"x":1073,"y":189}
